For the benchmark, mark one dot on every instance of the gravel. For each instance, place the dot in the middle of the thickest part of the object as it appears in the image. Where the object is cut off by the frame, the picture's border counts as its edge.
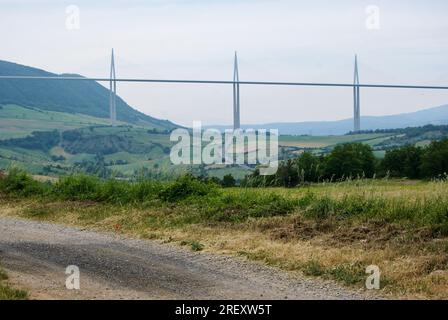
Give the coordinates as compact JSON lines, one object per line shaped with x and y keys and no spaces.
{"x":36,"y":255}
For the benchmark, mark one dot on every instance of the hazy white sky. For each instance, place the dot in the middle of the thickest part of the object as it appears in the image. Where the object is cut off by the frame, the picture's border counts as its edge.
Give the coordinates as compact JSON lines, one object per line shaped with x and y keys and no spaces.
{"x":277,"y":40}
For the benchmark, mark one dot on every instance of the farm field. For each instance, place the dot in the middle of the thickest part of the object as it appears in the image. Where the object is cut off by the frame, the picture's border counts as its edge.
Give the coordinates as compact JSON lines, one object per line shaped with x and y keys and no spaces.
{"x":316,"y":142}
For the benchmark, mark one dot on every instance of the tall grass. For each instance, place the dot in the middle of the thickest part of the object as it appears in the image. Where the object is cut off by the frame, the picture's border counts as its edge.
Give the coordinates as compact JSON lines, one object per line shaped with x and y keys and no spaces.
{"x":80,"y":187}
{"x":19,"y":183}
{"x":205,"y":201}
{"x":417,"y":212}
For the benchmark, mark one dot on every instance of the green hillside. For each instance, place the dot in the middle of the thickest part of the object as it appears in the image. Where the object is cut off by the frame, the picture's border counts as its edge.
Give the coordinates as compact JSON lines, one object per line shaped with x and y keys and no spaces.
{"x":17,"y":121}
{"x":129,"y":151}
{"x":75,"y":97}
{"x":122,"y":151}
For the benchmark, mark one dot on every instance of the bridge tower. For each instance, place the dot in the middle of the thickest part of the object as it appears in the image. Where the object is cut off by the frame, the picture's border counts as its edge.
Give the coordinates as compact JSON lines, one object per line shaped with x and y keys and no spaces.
{"x":236,"y":95}
{"x":356,"y":99}
{"x":113,"y":92}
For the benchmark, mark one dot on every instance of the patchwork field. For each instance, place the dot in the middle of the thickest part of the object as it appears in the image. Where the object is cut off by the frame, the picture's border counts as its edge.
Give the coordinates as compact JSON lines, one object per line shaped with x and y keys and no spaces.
{"x":53,"y":143}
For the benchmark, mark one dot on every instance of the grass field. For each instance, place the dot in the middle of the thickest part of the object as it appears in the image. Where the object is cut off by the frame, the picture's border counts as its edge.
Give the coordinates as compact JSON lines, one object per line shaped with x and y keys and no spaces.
{"x":333,"y":231}
{"x":17,"y":121}
{"x":317,"y":142}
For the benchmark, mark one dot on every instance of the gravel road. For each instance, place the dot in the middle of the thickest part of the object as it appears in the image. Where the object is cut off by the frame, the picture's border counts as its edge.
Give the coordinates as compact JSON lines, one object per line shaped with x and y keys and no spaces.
{"x":36,"y":255}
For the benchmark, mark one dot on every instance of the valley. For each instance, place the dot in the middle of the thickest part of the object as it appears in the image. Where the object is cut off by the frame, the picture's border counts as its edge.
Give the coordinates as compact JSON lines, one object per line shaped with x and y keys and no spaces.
{"x":51,"y":143}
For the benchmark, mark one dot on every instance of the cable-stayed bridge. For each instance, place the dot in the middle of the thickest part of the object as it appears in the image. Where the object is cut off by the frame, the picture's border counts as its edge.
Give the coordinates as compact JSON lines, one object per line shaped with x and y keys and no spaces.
{"x":236,"y":83}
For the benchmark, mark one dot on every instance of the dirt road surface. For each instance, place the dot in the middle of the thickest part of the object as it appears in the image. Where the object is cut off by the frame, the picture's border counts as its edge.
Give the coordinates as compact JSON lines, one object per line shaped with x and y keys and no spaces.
{"x":37,"y":254}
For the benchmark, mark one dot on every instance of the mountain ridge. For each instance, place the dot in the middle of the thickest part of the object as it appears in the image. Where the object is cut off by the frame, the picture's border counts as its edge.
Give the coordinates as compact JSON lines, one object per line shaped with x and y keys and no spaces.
{"x":71,"y":96}
{"x":436,"y":115}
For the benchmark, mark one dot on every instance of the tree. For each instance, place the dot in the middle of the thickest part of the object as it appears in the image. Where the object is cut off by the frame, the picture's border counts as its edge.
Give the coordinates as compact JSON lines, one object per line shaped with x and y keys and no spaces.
{"x":403,"y":162}
{"x":308,"y":167}
{"x":350,"y":160}
{"x":287,"y":174}
{"x":435,"y":159}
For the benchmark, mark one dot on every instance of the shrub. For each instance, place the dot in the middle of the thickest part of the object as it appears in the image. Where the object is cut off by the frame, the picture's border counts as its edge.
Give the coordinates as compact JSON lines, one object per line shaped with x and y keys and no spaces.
{"x":185,"y":187}
{"x":313,"y":268}
{"x":244,"y":205}
{"x":309,"y":167}
{"x":112,"y":191}
{"x":228,"y":181}
{"x":196,"y":246}
{"x":78,"y":187}
{"x":144,"y":190}
{"x":18,"y":182}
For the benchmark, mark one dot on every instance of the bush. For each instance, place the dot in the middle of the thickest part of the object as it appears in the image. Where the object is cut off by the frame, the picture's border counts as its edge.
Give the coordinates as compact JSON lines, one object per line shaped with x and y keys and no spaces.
{"x":185,"y":187}
{"x":244,"y":205}
{"x":309,"y":167}
{"x":112,"y":191}
{"x":228,"y":181}
{"x":143,"y":190}
{"x":18,"y":182}
{"x":78,"y":187}
{"x":196,"y":246}
{"x":313,"y":268}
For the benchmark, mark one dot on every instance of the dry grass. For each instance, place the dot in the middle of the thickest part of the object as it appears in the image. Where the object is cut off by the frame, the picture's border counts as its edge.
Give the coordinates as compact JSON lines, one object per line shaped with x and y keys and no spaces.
{"x":7,"y":292}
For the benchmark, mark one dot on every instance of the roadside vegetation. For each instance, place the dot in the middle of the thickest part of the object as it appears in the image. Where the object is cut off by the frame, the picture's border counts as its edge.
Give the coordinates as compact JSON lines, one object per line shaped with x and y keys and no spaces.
{"x":8,"y":293}
{"x":329,"y":230}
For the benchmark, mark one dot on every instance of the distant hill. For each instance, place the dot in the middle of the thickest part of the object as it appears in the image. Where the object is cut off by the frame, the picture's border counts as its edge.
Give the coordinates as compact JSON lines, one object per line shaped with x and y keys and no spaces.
{"x":76,"y":97}
{"x":435,"y":116}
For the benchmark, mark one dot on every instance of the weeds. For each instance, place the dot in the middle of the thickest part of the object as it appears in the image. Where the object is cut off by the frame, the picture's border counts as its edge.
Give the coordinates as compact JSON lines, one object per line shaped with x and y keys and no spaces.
{"x":8,"y":293}
{"x":313,"y":268}
{"x":350,"y":274}
{"x":196,"y":246}
{"x":206,"y":202}
{"x":185,"y":187}
{"x":19,"y":183}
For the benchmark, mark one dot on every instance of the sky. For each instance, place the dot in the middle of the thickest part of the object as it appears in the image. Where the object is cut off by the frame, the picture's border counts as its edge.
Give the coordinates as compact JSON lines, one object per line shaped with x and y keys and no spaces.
{"x":400,"y":42}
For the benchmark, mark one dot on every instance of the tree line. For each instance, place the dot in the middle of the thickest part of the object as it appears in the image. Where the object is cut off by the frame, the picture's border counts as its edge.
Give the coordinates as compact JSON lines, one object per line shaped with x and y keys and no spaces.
{"x":356,"y":160}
